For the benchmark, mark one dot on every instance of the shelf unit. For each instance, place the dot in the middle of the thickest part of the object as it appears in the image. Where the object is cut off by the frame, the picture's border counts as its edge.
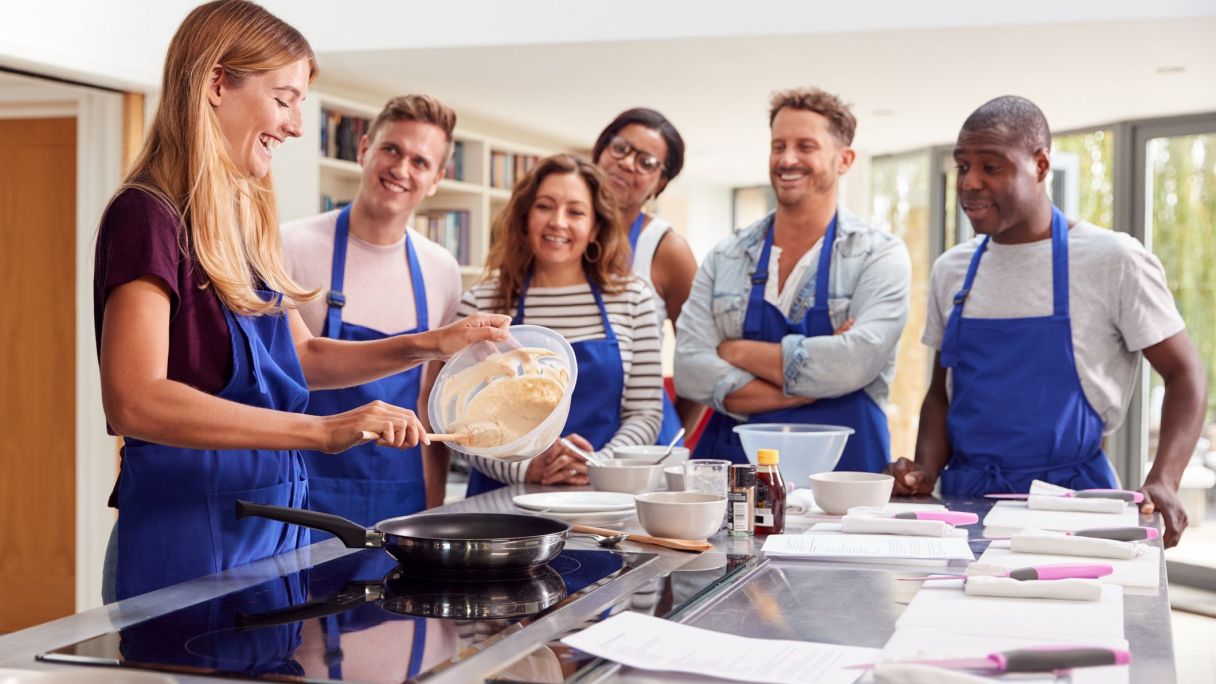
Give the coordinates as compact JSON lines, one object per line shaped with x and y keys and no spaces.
{"x":303,"y":174}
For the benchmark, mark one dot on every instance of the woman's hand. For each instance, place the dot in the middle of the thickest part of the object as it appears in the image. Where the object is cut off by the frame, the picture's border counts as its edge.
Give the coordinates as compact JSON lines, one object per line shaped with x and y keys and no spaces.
{"x":557,"y":465}
{"x":393,"y":425}
{"x":480,"y":327}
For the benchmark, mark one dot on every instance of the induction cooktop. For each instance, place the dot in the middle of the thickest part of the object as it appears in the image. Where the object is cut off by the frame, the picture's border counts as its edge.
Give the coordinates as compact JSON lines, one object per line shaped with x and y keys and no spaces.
{"x":354,"y":618}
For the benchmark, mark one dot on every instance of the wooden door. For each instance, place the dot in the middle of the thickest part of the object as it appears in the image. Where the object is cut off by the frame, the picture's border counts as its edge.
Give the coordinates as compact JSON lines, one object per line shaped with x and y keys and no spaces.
{"x":37,"y":370}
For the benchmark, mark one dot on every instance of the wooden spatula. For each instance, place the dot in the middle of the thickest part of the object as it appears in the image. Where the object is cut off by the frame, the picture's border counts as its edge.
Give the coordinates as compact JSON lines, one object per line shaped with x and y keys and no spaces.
{"x":480,"y":435}
{"x":696,"y":546}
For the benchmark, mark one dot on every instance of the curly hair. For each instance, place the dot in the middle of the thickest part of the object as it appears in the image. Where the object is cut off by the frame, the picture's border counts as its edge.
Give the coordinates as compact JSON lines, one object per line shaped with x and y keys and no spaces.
{"x":510,"y":258}
{"x":840,"y":118}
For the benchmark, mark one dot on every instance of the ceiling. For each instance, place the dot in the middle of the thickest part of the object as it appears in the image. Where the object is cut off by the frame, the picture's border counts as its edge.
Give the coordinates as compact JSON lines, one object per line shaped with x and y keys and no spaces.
{"x":559,"y":71}
{"x":909,"y":88}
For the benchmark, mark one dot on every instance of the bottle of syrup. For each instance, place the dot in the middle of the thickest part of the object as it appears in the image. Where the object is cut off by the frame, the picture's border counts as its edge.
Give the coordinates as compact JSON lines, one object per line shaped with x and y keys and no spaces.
{"x":770,"y":494}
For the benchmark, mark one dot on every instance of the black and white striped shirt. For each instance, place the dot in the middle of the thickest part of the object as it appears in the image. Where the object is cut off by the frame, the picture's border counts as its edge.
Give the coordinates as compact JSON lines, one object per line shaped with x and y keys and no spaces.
{"x":572,"y":312}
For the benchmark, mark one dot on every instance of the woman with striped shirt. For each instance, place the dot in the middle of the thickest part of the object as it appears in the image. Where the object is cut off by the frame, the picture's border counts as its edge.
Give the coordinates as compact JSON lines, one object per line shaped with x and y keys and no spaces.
{"x":560,"y":259}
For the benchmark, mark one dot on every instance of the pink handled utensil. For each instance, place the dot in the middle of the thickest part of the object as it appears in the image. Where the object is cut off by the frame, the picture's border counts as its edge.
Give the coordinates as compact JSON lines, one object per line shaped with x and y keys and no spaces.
{"x":1120,"y":494}
{"x":1034,"y":659}
{"x":1037,"y":572}
{"x":1113,"y":533}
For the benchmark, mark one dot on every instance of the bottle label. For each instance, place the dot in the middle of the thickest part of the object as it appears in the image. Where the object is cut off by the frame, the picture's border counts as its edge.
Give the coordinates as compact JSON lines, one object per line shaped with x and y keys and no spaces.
{"x":764,"y":517}
{"x":738,"y":517}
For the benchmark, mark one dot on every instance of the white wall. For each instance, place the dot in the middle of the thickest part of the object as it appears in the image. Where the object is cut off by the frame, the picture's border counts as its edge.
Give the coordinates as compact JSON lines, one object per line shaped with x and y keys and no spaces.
{"x":702,"y":213}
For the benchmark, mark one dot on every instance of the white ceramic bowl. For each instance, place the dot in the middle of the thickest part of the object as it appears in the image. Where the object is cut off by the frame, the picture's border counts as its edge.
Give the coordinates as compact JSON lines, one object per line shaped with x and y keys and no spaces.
{"x":837,"y":492}
{"x":675,"y":478}
{"x":650,"y":453}
{"x":443,"y":413}
{"x":625,"y":477}
{"x":804,"y":449}
{"x":681,"y":515}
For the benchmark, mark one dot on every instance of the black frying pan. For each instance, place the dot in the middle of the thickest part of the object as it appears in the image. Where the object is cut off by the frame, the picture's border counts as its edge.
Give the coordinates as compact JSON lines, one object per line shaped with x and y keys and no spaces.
{"x":440,"y":544}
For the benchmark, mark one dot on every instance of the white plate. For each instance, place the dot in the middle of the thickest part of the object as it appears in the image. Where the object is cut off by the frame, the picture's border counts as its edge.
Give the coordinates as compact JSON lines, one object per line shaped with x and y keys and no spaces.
{"x":599,"y":518}
{"x":575,"y":502}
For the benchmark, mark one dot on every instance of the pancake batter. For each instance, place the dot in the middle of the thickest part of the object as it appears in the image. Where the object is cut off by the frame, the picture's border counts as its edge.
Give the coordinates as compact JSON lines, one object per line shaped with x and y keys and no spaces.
{"x":518,"y":392}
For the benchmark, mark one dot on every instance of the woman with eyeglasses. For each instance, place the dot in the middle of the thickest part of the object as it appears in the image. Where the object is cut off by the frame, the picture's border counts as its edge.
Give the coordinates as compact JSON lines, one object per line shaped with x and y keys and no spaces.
{"x":641,"y":152}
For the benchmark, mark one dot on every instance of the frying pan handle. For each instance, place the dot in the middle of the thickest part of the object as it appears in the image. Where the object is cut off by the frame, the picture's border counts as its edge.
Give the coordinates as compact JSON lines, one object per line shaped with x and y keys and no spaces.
{"x":353,"y":595}
{"x":355,"y":536}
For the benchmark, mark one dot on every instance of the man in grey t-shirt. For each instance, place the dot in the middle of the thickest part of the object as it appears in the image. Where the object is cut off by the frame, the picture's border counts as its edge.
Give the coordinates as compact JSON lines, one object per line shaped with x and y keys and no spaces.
{"x":1039,"y":327}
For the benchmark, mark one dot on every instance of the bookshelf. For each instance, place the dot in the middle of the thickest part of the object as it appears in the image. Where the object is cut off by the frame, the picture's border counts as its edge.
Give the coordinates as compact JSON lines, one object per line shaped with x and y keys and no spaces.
{"x":309,"y":178}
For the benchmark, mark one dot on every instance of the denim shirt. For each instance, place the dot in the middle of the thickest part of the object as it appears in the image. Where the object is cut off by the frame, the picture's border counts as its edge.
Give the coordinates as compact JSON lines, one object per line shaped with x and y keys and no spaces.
{"x":870,"y":280}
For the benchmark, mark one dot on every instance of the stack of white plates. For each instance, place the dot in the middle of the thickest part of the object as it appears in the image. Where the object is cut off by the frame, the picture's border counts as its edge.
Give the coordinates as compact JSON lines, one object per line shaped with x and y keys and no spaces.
{"x":588,"y":508}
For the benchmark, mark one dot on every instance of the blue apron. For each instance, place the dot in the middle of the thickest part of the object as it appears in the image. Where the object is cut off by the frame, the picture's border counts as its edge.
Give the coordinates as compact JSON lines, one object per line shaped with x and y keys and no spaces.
{"x":1018,"y":412}
{"x":671,"y":419}
{"x":366,"y":483}
{"x":595,"y":407}
{"x":868,"y":447}
{"x":176,"y":506}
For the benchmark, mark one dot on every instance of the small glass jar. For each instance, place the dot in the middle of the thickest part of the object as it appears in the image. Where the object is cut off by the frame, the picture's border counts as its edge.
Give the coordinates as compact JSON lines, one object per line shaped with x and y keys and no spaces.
{"x":741,"y":501}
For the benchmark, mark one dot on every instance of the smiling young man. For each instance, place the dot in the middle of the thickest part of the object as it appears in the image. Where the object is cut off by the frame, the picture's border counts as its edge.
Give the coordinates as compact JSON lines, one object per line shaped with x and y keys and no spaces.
{"x":1039,"y":324}
{"x":380,"y":279}
{"x":795,"y":318}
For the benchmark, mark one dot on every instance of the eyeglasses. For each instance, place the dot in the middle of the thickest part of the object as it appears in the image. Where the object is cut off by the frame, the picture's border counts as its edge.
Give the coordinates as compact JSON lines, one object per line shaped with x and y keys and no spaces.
{"x":646,"y":162}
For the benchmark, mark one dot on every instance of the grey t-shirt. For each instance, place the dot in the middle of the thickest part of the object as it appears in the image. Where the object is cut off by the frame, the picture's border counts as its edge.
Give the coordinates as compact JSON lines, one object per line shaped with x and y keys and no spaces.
{"x":1118,"y":301}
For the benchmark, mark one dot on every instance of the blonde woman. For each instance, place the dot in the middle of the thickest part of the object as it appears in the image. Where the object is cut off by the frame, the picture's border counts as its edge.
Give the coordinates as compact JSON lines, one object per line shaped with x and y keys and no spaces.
{"x":205,"y":365}
{"x":560,"y":258}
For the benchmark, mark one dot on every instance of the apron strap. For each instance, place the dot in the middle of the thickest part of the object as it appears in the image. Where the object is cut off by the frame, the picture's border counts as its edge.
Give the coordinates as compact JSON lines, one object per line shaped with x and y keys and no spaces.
{"x":818,"y":319}
{"x":817,"y":316}
{"x":335,"y":299}
{"x":753,"y":320}
{"x":519,"y":306}
{"x":635,"y":232}
{"x":609,"y":334}
{"x":415,"y":267}
{"x":1059,"y":262}
{"x":1059,"y":285}
{"x":950,"y":342}
{"x":599,"y":302}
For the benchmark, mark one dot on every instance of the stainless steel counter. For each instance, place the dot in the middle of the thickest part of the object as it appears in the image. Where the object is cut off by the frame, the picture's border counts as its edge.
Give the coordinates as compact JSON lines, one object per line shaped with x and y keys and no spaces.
{"x":843,"y":603}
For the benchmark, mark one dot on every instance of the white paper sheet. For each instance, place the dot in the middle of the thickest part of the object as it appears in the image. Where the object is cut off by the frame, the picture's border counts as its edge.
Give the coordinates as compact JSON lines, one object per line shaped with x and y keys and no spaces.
{"x":1143,"y":572}
{"x":651,"y":643}
{"x":911,"y":644}
{"x":842,"y":546}
{"x":1015,"y":515}
{"x":948,"y":608}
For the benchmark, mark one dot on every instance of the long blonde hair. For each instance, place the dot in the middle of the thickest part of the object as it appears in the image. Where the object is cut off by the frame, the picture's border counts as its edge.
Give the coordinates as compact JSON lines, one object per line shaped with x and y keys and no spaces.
{"x":510,"y":256}
{"x":231,"y":219}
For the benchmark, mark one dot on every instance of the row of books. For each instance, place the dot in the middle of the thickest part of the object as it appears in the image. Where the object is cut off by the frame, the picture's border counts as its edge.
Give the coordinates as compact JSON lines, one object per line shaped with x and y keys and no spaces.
{"x":449,"y":228}
{"x":455,"y":167}
{"x":340,"y":134}
{"x":506,"y":168}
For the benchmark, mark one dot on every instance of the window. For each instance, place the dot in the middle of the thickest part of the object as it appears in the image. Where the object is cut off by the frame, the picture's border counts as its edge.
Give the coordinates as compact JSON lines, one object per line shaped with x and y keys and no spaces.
{"x":900,"y":205}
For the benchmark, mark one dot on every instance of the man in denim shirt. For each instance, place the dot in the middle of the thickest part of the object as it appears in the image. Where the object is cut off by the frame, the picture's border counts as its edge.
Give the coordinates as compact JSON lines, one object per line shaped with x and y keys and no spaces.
{"x":796,"y":318}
